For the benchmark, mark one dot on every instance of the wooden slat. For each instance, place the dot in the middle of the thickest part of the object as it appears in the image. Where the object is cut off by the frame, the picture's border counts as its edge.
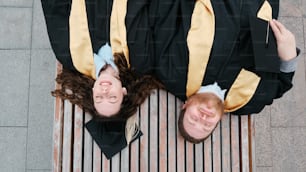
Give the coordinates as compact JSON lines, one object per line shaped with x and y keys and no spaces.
{"x":208,"y":154}
{"x":67,"y":139}
{"x":180,"y":144}
{"x":172,"y":132}
{"x":252,"y":140}
{"x":58,"y":128}
{"x":163,"y":131}
{"x":115,"y":163}
{"x":244,"y":143}
{"x":144,"y":139}
{"x":189,"y":156}
{"x":216,"y":149}
{"x":199,"y":158}
{"x":105,"y":166}
{"x":58,"y":135}
{"x":96,"y":159}
{"x":153,"y":130}
{"x":134,"y":151}
{"x":124,"y":159}
{"x":78,"y":138}
{"x":88,"y":147}
{"x":235,"y":143}
{"x":225,"y":136}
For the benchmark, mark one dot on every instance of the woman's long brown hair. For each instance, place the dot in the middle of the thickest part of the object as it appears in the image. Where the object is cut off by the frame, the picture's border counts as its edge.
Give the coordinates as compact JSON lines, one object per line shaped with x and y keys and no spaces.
{"x":77,"y":88}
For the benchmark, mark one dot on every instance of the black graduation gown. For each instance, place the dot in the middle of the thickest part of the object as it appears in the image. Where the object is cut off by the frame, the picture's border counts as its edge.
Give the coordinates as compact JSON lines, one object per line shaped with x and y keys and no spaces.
{"x":57,"y":19}
{"x":110,"y":136}
{"x":232,"y":50}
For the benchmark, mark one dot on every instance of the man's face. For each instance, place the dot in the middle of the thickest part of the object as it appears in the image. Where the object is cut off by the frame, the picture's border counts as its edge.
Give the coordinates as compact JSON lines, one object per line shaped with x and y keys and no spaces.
{"x":203,"y":112}
{"x":108,"y":92}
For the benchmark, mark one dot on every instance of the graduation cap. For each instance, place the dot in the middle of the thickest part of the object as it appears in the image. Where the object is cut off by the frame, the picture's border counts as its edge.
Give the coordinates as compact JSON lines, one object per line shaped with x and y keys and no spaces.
{"x":264,"y":46}
{"x":111,"y":136}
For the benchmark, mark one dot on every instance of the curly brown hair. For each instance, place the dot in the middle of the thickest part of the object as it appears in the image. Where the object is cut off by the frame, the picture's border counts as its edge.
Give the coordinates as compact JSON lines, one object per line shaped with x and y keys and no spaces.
{"x":77,"y":88}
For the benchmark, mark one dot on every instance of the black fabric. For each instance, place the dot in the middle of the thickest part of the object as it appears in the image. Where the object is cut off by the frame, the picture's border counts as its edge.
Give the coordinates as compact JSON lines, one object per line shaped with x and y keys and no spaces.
{"x":265,"y":51}
{"x":110,"y":136}
{"x":139,"y":23}
{"x":57,"y":14}
{"x":233,"y":49}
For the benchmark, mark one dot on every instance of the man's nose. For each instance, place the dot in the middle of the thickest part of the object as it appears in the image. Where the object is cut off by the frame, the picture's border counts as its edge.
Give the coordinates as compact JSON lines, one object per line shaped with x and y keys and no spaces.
{"x":203,"y":116}
{"x":209,"y":105}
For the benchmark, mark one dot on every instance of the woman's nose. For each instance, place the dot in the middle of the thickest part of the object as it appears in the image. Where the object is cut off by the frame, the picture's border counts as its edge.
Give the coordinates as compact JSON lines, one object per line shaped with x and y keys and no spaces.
{"x":105,"y":88}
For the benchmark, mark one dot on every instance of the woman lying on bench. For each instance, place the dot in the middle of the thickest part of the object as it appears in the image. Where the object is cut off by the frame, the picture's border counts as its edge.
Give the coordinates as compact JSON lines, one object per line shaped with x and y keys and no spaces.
{"x":101,"y":82}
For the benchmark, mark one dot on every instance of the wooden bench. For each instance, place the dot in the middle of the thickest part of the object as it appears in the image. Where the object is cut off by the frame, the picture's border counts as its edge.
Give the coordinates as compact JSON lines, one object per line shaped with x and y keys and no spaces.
{"x":161,"y":148}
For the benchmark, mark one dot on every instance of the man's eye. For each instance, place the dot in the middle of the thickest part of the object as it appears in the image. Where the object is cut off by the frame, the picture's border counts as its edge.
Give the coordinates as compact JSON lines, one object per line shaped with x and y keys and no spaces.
{"x":204,"y":129}
{"x":193,"y":118}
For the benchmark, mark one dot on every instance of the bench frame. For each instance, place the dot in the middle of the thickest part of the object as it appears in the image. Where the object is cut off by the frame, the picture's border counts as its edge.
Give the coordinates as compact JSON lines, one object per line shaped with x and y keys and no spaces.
{"x":231,"y":147}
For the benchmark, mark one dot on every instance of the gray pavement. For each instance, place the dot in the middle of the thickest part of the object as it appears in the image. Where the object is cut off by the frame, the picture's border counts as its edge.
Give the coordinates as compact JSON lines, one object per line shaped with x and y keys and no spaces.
{"x":27,"y":73}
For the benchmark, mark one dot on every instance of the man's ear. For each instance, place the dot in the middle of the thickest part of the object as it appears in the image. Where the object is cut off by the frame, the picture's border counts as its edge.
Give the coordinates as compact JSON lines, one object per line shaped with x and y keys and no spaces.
{"x":124,"y":91}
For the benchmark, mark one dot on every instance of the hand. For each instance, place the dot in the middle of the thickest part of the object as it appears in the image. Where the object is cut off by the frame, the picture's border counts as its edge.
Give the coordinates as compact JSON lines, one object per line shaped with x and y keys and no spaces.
{"x":286,"y":46}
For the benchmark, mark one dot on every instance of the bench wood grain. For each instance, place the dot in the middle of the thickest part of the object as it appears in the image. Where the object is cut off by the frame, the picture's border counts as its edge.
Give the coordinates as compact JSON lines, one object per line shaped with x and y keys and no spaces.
{"x":229,"y":149}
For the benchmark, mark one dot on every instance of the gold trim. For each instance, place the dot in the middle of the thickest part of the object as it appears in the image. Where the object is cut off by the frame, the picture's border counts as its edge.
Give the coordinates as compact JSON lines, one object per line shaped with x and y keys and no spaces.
{"x":265,"y":11}
{"x":241,"y":91}
{"x":199,"y":40}
{"x":80,"y":43}
{"x":118,"y":29}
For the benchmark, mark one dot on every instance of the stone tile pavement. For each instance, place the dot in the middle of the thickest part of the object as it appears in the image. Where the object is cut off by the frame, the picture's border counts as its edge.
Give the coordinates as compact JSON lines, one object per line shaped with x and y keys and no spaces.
{"x":27,"y":74}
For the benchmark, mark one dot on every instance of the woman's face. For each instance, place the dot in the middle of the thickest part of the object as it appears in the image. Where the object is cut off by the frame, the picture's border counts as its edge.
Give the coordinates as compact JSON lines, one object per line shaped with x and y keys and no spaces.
{"x":108,"y":92}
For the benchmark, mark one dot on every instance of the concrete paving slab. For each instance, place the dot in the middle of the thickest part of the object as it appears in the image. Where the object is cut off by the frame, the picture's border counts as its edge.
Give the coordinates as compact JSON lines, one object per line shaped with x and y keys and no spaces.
{"x":263,"y":138}
{"x":304,"y":7}
{"x":264,"y":169}
{"x":289,"y":149}
{"x":13,"y":149}
{"x":15,"y":69}
{"x":17,"y":31}
{"x":40,"y":37}
{"x":290,"y":8}
{"x":14,"y":3}
{"x":290,"y":109}
{"x":304,"y":21}
{"x":43,"y":68}
{"x":39,"y":144}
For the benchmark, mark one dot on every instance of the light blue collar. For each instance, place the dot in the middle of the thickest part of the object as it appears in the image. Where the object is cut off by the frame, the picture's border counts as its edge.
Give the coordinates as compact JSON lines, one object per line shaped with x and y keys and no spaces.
{"x":104,"y":56}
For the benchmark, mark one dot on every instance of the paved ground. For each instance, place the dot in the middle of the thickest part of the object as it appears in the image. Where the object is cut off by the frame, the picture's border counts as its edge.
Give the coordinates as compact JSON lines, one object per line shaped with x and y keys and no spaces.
{"x":27,"y":76}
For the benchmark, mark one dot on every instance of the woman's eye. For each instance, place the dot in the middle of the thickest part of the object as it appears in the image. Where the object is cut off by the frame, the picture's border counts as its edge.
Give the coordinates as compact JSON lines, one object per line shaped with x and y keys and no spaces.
{"x":193,"y":118}
{"x":113,"y":98}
